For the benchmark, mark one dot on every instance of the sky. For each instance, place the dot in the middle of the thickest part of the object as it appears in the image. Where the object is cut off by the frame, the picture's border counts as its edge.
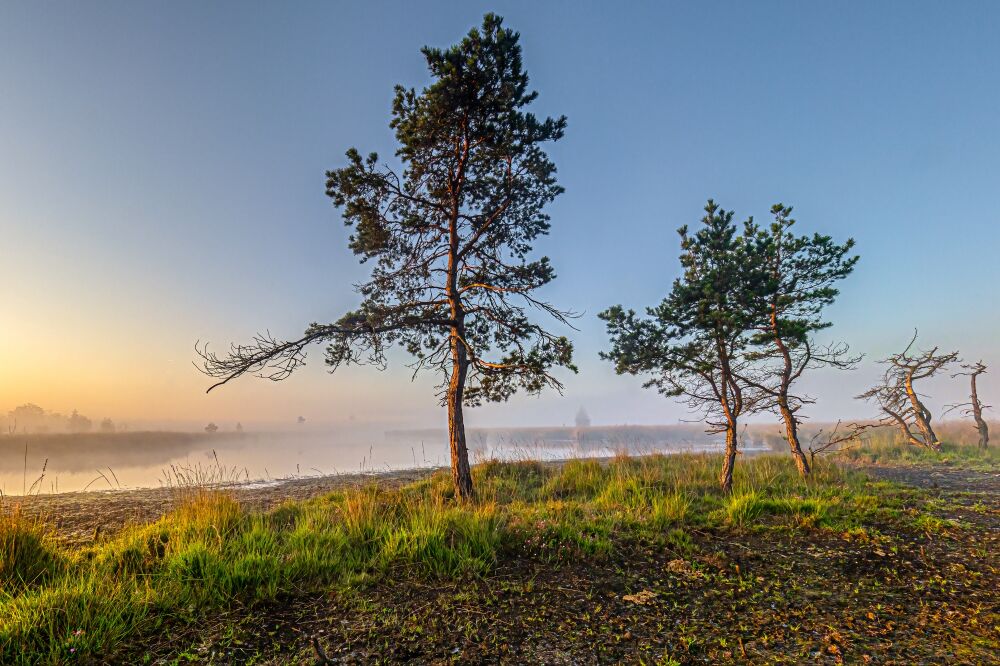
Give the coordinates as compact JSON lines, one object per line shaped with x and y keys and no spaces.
{"x":162,"y":182}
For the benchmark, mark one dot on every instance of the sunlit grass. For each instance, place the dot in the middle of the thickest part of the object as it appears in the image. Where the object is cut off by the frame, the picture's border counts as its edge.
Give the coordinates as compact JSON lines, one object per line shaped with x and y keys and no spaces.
{"x":884,"y":446}
{"x":58,"y":602}
{"x":28,"y":554}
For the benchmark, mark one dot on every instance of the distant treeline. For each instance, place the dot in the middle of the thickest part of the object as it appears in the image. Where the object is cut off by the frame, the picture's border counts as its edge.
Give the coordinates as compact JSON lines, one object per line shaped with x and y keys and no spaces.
{"x":29,"y":418}
{"x":76,"y":451}
{"x":620,"y":435}
{"x":639,"y":437}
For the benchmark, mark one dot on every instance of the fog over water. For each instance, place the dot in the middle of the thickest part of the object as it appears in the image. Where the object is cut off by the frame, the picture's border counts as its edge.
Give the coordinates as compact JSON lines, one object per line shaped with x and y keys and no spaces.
{"x":46,"y":463}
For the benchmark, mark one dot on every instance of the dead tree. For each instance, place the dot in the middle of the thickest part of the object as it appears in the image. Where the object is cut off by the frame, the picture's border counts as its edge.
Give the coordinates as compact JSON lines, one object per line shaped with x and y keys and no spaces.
{"x":897,"y":397}
{"x":834,"y":442}
{"x":975,"y":406}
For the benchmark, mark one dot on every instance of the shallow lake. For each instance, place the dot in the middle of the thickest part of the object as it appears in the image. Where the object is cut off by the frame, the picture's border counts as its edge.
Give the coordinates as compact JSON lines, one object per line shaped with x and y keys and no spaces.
{"x":66,"y":463}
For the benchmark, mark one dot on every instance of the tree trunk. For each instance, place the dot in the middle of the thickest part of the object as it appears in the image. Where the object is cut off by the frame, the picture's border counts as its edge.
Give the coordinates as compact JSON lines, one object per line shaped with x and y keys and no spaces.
{"x":791,"y":427}
{"x":461,"y":474}
{"x":924,"y":422}
{"x":984,"y":433}
{"x":729,"y":460}
{"x":922,"y":416}
{"x":931,"y":436}
{"x":792,"y":435}
{"x":977,"y":414}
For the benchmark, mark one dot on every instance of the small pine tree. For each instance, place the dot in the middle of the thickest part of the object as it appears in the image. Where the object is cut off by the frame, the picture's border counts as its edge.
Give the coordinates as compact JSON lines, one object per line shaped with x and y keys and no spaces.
{"x":802,"y":272}
{"x":692,"y":345}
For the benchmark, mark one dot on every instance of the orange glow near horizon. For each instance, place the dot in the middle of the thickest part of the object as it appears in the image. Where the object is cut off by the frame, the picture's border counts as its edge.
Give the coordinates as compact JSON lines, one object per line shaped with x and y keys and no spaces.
{"x":103,"y":372}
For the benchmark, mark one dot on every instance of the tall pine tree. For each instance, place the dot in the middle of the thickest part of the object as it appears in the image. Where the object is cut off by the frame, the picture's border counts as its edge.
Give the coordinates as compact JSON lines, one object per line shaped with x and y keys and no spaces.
{"x":450,"y":237}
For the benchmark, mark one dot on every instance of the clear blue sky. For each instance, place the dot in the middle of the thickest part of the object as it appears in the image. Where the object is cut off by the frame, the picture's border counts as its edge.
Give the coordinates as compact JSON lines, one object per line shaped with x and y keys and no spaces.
{"x":162,"y":169}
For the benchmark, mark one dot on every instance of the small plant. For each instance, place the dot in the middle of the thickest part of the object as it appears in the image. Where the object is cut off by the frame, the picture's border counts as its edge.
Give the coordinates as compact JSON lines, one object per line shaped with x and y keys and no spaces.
{"x":743,"y":508}
{"x":670,"y":509}
{"x":680,"y":542}
{"x":932,"y":524}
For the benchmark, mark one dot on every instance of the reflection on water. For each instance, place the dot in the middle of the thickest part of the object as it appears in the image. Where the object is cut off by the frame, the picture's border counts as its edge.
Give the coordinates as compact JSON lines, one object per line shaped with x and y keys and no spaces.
{"x":65,"y":463}
{"x":145,"y":459}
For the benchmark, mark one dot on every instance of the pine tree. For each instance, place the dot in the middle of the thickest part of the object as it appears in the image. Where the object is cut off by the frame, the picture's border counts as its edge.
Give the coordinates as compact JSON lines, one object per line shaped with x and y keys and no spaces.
{"x":450,"y":237}
{"x":802,"y":272}
{"x":692,"y":345}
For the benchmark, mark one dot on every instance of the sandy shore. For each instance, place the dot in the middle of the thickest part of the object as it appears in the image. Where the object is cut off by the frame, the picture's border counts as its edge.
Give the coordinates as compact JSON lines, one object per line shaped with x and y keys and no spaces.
{"x":80,"y":518}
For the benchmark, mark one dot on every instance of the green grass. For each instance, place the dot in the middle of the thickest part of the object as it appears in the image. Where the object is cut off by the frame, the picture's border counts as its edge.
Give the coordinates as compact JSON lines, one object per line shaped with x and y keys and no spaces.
{"x":58,"y":603}
{"x":883,"y":447}
{"x":27,"y":554}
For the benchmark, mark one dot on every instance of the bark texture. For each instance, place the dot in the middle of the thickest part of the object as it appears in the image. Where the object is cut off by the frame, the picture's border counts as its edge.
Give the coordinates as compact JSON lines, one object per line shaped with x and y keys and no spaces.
{"x":977,"y":406}
{"x":921,"y":415}
{"x":729,"y":460}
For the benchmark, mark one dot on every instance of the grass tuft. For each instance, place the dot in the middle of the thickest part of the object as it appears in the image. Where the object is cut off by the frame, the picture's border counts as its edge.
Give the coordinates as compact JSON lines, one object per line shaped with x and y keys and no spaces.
{"x":28,"y":554}
{"x":743,"y":508}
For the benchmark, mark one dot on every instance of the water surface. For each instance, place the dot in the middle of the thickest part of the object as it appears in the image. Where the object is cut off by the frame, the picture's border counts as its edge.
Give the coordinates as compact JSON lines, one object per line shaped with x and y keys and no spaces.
{"x":65,"y":463}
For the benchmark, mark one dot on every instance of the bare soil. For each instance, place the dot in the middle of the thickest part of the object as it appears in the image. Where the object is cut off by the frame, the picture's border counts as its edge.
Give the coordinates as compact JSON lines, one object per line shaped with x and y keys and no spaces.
{"x":942,"y":480}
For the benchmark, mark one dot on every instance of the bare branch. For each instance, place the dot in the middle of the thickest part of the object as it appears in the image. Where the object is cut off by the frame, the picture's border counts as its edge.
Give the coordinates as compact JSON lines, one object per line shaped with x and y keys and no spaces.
{"x":896,"y":395}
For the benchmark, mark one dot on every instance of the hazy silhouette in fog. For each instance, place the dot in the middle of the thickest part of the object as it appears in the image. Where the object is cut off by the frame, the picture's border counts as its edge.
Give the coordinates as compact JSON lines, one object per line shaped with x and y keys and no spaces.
{"x":30,"y":418}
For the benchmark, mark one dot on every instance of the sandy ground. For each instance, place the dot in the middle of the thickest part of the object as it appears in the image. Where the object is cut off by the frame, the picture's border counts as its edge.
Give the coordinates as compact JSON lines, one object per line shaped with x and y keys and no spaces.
{"x":940,"y":478}
{"x":80,"y":518}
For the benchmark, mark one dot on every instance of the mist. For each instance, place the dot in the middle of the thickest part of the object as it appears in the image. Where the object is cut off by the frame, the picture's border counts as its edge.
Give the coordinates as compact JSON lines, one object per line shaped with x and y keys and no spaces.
{"x":58,"y":462}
